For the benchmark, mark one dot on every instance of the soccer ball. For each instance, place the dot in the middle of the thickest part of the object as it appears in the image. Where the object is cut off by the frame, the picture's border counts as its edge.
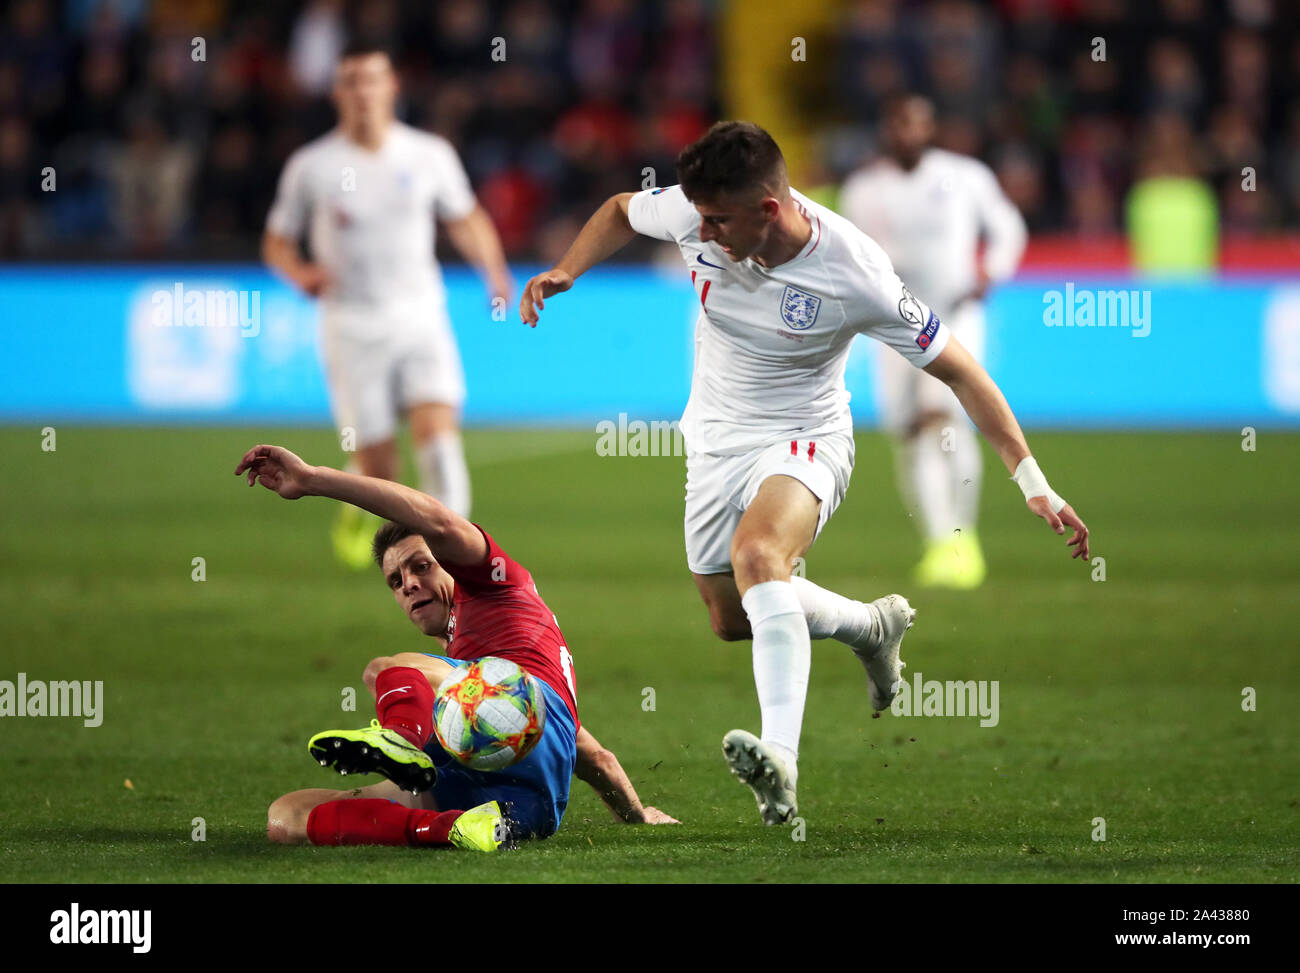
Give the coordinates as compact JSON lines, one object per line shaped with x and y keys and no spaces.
{"x":489,"y":714}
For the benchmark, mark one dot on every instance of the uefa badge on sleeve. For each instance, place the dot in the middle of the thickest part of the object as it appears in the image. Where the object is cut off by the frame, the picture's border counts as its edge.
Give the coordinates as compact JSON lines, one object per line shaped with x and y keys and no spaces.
{"x":927,"y":333}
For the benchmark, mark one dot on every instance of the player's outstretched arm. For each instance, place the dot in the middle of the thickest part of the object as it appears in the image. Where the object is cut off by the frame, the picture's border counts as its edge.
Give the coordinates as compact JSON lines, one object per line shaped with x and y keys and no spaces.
{"x":988,"y":409}
{"x":607,"y":232}
{"x":451,"y":537}
{"x":600,"y":768}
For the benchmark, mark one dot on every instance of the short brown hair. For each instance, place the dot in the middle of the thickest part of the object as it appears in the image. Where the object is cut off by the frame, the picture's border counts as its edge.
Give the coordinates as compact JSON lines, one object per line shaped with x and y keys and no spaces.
{"x":730,"y":158}
{"x":386,"y":536}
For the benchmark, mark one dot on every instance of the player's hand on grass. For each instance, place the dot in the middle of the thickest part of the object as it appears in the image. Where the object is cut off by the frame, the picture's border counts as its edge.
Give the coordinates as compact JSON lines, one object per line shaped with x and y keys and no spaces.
{"x":1058,"y":522}
{"x":636,"y":814}
{"x":537,"y":290}
{"x":652,"y":815}
{"x":277,"y":469}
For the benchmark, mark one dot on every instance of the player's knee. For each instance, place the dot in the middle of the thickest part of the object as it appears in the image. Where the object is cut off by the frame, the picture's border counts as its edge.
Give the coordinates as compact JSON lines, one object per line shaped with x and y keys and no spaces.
{"x":757,"y":559}
{"x":373,"y":668}
{"x":286,"y":824}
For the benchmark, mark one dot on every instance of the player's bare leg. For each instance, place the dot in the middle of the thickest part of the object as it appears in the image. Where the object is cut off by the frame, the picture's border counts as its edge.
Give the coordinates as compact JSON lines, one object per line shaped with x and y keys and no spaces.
{"x":353,"y":527}
{"x":440,"y":455}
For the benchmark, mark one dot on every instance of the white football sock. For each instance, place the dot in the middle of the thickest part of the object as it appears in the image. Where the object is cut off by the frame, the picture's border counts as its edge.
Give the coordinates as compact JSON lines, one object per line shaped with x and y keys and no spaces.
{"x":782,"y":660}
{"x":832,"y":616}
{"x":966,"y":469}
{"x":931,"y":484}
{"x":443,"y":473}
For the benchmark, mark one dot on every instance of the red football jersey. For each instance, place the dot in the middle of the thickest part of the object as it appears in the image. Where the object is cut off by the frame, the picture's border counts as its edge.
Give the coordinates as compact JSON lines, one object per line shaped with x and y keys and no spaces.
{"x":496,"y":610}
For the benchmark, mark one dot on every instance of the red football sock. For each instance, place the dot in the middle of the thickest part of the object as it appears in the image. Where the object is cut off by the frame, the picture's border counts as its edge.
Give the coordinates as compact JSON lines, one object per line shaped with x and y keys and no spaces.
{"x":374,"y":821}
{"x":432,"y":827}
{"x":404,"y":703}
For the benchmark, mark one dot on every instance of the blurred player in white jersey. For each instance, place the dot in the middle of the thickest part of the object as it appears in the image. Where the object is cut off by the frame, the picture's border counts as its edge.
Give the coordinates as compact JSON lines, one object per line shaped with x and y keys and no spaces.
{"x":928,"y":208}
{"x":784,"y":286}
{"x":366,"y":195}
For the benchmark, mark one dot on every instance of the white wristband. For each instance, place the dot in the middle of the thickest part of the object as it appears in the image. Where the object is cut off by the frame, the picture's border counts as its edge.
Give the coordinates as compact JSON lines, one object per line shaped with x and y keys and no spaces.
{"x":1032,"y":483}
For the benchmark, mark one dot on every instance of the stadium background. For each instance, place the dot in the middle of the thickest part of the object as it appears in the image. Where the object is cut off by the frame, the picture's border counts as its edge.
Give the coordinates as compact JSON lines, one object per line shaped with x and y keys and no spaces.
{"x":116,"y":144}
{"x":128,"y":167}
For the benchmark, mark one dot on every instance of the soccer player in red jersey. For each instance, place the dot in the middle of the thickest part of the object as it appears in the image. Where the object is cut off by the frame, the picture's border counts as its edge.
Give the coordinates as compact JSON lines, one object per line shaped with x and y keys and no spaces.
{"x":460,"y":588}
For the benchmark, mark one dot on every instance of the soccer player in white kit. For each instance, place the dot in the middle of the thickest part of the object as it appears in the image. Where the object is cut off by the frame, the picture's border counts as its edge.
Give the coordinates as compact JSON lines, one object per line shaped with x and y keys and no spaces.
{"x":927,"y":208}
{"x":367,"y":194}
{"x":784,"y":286}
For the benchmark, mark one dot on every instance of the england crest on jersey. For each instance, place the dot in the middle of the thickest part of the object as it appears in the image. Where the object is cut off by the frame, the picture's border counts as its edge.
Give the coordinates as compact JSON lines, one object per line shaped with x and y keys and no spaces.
{"x":799,"y":309}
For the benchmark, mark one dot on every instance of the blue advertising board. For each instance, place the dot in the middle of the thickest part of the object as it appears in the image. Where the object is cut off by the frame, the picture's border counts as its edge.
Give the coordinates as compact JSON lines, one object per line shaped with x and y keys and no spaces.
{"x":234,"y":344}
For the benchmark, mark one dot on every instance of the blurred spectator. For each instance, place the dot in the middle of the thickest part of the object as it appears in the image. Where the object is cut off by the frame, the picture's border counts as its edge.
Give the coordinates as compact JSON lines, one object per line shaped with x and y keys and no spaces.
{"x":318,"y":38}
{"x":231,"y":193}
{"x":879,"y":57}
{"x":17,"y":168}
{"x":606,"y":47}
{"x":1245,"y":74}
{"x":32,"y":42}
{"x":1287,"y":165}
{"x":1171,"y":214}
{"x":1173,"y":80}
{"x":1020,"y":172}
{"x":150,"y":176}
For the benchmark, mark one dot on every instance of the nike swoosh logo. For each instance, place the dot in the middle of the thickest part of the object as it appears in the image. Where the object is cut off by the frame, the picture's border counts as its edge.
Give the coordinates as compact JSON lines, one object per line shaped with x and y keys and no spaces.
{"x":700,"y":258}
{"x":390,"y":692}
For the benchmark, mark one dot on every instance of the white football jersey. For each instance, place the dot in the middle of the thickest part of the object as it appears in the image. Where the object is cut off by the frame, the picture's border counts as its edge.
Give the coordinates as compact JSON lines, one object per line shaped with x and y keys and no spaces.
{"x":771,"y":343}
{"x":370,"y":215}
{"x":929,"y":221}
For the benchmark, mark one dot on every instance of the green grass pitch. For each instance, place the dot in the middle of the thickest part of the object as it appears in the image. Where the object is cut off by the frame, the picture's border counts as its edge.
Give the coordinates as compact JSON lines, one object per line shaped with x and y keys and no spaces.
{"x":1119,"y":699}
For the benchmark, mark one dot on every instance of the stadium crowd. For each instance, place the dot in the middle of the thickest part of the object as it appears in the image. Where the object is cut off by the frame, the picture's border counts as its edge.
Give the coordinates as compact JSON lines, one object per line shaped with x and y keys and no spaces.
{"x":141,"y":129}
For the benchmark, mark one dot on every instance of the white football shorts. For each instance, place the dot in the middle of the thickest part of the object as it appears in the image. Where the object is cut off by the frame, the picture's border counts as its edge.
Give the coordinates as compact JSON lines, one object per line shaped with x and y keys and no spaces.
{"x":381,"y":360}
{"x":905,"y":392}
{"x":719,"y":489}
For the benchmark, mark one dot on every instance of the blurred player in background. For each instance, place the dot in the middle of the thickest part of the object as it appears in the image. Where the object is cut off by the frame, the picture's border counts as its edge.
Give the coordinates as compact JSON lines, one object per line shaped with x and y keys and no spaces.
{"x":927,"y":208}
{"x":366,"y":194}
{"x":784,"y":286}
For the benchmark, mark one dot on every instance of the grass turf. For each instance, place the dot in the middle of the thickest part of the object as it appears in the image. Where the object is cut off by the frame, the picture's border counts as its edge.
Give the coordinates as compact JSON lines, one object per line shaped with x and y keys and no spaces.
{"x":1119,"y":699}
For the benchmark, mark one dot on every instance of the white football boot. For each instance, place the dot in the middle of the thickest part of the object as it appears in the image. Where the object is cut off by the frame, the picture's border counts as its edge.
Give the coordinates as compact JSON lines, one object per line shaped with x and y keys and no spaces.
{"x":757,"y":766}
{"x":879,"y":656}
